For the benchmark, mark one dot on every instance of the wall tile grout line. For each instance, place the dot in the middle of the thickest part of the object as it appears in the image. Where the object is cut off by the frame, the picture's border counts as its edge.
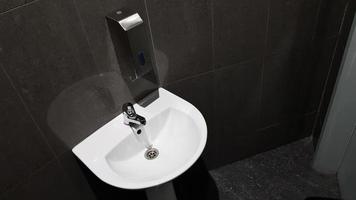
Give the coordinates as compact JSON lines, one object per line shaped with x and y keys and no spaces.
{"x":213,"y":70}
{"x":310,"y":113}
{"x":268,"y":19}
{"x":332,"y":37}
{"x":189,"y":77}
{"x":152,"y":42}
{"x":238,"y":63}
{"x":267,"y":127}
{"x":265,"y":50}
{"x":212,"y":34}
{"x":278,"y":123}
{"x":317,"y":20}
{"x":343,"y":19}
{"x":44,"y":138}
{"x":85,"y":34}
{"x":214,"y":109}
{"x":18,"y":7}
{"x":29,"y":177}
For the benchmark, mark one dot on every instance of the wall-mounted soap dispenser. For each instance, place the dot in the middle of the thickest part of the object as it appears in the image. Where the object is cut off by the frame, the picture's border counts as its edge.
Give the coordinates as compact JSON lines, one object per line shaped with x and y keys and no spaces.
{"x":133,"y":46}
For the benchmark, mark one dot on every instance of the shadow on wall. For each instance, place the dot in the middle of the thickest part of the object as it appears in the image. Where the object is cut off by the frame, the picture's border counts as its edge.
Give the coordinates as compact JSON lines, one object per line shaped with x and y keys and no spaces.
{"x":162,"y":65}
{"x":85,"y":106}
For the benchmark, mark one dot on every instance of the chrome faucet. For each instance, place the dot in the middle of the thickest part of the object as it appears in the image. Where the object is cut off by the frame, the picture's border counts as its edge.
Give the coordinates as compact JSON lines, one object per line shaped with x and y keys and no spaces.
{"x":131,"y":118}
{"x":137,"y":123}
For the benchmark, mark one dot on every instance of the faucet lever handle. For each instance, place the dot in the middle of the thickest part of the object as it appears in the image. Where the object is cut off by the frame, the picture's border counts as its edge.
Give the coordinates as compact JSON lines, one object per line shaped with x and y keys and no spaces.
{"x":131,"y":115}
{"x":129,"y":110}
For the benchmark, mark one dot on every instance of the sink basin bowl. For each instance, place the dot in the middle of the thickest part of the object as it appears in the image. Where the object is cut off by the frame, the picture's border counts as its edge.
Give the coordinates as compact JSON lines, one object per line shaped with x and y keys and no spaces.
{"x":176,"y":128}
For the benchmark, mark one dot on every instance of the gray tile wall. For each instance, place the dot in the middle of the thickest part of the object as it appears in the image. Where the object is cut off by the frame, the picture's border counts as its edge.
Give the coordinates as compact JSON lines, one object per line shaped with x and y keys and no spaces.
{"x":8,"y":5}
{"x":59,"y":82}
{"x":261,"y":55}
{"x":248,"y":65}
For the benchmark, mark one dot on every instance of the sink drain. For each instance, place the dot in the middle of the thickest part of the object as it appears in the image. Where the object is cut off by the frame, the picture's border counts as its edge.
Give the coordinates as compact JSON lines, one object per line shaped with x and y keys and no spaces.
{"x":151,"y":153}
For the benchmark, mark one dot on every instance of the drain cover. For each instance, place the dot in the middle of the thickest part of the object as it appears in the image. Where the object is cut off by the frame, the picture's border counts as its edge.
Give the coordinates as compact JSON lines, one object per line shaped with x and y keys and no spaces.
{"x":151,"y":153}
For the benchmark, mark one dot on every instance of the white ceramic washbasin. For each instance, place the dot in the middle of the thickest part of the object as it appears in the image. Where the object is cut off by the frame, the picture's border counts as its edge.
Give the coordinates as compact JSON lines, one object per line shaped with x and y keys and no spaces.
{"x":177,"y":129}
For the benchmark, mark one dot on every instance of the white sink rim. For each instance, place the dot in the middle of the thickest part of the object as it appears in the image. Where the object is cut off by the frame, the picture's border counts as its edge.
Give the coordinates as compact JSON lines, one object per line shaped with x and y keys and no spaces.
{"x":96,"y":158}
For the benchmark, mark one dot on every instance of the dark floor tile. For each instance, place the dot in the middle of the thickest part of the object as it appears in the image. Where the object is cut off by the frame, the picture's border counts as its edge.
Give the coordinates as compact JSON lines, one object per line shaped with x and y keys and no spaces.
{"x":239,"y":30}
{"x":282,"y":173}
{"x":198,"y":91}
{"x":236,"y":147}
{"x":226,"y":192}
{"x":281,"y":88}
{"x":22,"y":149}
{"x":49,"y":183}
{"x":291,"y":24}
{"x":182,"y":37}
{"x":49,"y":56}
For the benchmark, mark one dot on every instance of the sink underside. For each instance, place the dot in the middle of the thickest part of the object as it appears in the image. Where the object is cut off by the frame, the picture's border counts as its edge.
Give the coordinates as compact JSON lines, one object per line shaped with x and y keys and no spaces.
{"x":176,"y":128}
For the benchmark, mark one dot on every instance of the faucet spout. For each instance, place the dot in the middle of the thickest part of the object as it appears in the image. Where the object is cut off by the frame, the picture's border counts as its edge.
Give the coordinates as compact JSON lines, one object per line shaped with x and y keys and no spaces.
{"x":136,"y":123}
